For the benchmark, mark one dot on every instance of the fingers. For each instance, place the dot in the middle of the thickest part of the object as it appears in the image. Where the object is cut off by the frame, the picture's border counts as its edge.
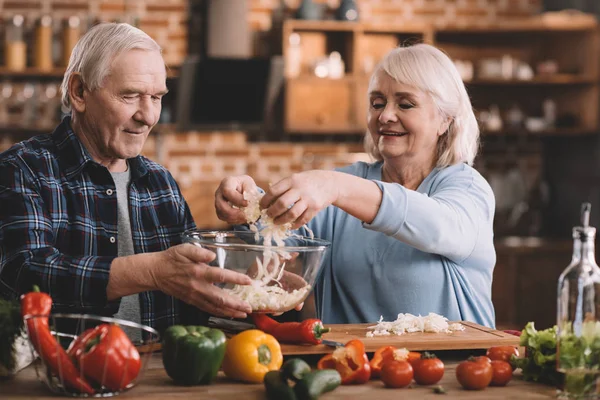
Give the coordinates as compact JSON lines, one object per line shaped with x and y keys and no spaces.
{"x":226,"y":197}
{"x":195,"y":253}
{"x":299,"y":307}
{"x":292,"y":214}
{"x":219,"y":303}
{"x":218,"y":275}
{"x":275,"y":191}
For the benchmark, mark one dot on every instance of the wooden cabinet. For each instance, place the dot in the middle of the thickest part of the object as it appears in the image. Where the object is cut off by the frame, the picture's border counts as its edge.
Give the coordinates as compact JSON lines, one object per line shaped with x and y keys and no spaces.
{"x":526,"y":280}
{"x":314,"y":105}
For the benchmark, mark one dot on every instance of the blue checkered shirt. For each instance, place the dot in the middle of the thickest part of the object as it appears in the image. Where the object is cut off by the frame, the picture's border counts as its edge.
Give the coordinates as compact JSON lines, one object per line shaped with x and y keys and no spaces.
{"x":58,"y":226}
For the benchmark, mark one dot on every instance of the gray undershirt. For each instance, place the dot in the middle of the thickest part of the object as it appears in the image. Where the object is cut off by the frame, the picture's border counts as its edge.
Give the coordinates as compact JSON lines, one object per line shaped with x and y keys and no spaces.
{"x":130,"y":305}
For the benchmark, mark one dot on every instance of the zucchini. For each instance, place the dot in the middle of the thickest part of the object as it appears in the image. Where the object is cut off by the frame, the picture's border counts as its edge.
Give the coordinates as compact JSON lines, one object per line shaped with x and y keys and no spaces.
{"x":277,"y":387}
{"x":294,"y":369}
{"x":315,"y":383}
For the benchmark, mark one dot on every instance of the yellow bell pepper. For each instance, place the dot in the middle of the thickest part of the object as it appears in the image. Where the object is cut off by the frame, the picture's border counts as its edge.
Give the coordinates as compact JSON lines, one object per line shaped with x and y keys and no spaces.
{"x":250,"y":355}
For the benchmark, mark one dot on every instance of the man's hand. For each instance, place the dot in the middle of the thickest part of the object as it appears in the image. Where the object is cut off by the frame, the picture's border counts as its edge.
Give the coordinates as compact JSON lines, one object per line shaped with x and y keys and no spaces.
{"x":182,"y":272}
{"x":229,"y":198}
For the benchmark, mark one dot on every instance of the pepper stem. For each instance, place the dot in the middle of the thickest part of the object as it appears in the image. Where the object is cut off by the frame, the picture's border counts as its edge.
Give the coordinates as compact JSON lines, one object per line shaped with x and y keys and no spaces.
{"x":92,"y":342}
{"x":319,"y":330}
{"x":264,"y":354}
{"x":35,"y":288}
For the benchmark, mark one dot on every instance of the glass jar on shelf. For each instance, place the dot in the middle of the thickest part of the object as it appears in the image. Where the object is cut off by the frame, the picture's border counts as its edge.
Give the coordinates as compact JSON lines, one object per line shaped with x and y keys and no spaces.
{"x":578,"y":316}
{"x":71,"y":33}
{"x":15,"y":50}
{"x":43,"y":44}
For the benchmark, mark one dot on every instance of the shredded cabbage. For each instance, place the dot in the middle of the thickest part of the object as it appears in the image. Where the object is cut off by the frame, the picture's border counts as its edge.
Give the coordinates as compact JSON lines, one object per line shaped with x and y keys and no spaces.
{"x":407,"y":323}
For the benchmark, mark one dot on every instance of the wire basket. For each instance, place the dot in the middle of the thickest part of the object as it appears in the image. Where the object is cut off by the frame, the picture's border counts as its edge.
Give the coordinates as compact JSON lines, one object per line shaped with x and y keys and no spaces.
{"x":77,"y":324}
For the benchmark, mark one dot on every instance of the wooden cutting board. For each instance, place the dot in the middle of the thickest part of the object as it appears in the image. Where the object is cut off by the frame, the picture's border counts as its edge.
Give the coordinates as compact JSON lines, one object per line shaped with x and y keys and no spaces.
{"x":473,"y":337}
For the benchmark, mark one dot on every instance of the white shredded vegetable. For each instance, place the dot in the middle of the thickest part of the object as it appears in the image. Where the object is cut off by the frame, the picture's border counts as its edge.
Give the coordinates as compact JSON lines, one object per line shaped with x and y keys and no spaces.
{"x":407,"y":323}
{"x":266,"y":292}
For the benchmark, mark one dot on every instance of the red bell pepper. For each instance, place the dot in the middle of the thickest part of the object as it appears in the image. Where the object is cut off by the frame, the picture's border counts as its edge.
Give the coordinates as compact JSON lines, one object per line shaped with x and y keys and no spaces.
{"x":38,"y":306}
{"x":309,"y":331}
{"x":387,"y":353}
{"x":350,"y":361}
{"x":107,"y":356}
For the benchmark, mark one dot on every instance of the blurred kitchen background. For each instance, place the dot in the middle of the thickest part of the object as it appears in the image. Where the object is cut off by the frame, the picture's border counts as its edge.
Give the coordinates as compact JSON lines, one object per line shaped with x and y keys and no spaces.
{"x":270,"y":87}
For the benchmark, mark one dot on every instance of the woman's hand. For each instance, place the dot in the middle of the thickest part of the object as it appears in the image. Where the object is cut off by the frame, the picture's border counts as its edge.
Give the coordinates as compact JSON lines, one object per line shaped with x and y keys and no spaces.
{"x":182,"y":272}
{"x":229,"y":195}
{"x":298,"y":198}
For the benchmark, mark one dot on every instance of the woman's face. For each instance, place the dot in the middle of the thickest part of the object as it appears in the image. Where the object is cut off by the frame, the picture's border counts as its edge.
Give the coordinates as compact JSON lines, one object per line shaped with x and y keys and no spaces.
{"x":403,"y":121}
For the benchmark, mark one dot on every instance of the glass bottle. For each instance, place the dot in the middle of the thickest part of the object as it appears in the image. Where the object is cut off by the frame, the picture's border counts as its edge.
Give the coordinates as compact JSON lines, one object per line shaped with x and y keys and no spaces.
{"x":578,"y":316}
{"x":43,"y":44}
{"x":16,"y":49}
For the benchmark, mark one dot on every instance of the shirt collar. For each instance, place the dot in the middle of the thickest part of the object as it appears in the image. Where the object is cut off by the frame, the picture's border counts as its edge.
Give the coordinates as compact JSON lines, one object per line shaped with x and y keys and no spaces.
{"x":74,"y":157}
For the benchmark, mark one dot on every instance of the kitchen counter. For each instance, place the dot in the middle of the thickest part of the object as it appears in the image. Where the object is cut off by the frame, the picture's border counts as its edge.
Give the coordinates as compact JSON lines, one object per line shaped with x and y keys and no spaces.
{"x":156,"y":384}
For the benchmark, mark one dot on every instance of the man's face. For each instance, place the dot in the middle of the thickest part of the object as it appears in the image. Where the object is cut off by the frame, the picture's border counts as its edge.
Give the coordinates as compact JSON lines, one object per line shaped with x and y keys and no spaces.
{"x":119,"y":115}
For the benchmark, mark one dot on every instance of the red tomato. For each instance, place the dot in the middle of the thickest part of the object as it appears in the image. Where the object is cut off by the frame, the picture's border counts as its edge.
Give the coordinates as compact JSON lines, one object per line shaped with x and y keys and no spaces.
{"x":473,"y":374}
{"x":502,"y":373}
{"x":397,"y":374}
{"x":428,"y":369}
{"x":502,"y":353}
{"x":483,"y":359}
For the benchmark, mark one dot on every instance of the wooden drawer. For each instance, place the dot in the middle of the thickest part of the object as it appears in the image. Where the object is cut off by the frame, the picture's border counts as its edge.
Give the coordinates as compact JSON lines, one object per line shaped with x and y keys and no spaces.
{"x":315,"y":105}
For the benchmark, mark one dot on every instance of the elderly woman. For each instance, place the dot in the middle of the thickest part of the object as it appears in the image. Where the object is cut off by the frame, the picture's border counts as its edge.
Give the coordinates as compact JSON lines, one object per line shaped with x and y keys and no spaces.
{"x":411,"y":232}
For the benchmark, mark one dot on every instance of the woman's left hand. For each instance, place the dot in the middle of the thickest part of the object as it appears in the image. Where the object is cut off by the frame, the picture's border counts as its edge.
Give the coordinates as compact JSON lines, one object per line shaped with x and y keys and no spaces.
{"x":299,"y":197}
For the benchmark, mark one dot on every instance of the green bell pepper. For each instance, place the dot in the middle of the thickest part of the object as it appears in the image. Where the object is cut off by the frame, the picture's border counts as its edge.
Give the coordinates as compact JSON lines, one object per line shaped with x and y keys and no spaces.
{"x":192,"y":355}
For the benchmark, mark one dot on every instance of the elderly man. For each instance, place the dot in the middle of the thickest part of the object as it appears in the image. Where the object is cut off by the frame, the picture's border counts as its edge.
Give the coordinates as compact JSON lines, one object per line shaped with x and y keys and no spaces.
{"x":87,"y":218}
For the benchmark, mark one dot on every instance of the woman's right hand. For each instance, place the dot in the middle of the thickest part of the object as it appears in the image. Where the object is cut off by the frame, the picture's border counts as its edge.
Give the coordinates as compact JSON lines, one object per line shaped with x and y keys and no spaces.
{"x":182,"y":272}
{"x":229,"y":198}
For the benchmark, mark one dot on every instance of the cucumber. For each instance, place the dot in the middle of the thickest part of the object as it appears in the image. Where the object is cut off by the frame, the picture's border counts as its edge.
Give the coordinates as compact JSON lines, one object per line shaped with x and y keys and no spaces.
{"x":294,"y":369}
{"x":277,"y":387}
{"x":315,"y":383}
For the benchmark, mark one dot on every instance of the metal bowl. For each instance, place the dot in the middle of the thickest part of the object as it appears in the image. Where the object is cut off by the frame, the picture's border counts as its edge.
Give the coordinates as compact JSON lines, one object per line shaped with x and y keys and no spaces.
{"x":78,"y":323}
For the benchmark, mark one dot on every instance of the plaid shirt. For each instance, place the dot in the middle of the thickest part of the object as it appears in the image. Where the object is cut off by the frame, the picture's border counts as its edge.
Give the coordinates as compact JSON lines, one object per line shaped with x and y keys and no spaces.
{"x":58,"y":226}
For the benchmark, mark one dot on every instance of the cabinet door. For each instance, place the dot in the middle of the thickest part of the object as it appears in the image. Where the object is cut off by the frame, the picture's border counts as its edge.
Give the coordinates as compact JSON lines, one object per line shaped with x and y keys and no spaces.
{"x":319,"y":106}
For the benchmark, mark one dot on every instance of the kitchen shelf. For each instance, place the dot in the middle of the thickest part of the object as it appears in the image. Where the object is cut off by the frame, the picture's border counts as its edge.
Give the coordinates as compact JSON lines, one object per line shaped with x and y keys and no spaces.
{"x":559,"y":79}
{"x":58,"y":72}
{"x":545,"y":132}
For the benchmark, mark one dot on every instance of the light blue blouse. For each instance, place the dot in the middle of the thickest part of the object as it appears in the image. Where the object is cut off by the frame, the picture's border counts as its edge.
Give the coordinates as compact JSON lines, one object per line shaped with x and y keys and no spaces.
{"x":429,"y":250}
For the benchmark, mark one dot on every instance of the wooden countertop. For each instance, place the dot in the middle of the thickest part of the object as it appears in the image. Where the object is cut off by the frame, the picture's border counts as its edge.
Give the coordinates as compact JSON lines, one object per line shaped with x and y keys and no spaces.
{"x":156,"y":384}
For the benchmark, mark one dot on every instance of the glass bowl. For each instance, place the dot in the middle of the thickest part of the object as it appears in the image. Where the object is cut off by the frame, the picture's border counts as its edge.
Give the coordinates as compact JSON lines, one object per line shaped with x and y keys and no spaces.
{"x":75,"y":325}
{"x":282,"y":276}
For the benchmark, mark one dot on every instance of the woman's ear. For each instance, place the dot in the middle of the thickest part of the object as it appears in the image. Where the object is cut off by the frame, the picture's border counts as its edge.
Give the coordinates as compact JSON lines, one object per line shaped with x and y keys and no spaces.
{"x":76,"y":89}
{"x":444,"y":126}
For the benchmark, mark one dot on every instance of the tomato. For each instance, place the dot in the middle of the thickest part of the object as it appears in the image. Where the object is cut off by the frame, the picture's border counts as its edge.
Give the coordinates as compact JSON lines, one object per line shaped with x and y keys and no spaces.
{"x":428,"y":369}
{"x":397,"y":374}
{"x":483,"y":359}
{"x":474,"y":374}
{"x":502,"y":353}
{"x":502,"y":373}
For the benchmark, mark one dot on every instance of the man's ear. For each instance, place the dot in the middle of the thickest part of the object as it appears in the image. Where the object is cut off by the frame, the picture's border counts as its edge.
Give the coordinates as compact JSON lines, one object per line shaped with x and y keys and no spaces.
{"x":76,"y":92}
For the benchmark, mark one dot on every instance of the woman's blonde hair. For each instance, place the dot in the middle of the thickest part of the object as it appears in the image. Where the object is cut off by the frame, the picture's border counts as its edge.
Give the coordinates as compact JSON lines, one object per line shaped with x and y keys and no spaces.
{"x":95,"y":51}
{"x":431,"y":71}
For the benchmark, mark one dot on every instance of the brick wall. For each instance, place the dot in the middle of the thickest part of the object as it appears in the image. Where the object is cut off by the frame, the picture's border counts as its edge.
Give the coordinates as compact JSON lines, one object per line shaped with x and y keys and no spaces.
{"x":397,"y":11}
{"x":164,"y":20}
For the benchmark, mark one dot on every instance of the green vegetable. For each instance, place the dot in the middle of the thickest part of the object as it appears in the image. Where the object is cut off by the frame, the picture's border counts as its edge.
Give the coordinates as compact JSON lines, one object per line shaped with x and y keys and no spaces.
{"x":315,"y":383}
{"x":11,"y":325}
{"x":539,"y":364}
{"x":295,"y":369}
{"x":277,"y":386}
{"x":192,"y":355}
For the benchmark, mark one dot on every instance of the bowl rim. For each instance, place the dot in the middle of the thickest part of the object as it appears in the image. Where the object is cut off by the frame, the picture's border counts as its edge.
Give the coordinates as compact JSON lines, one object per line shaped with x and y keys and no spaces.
{"x":321,"y":243}
{"x":92,"y":317}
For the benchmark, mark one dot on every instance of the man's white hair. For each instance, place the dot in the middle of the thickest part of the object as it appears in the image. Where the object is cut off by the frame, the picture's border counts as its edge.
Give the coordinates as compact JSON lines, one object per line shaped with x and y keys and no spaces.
{"x":94,"y":53}
{"x":430,"y":70}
